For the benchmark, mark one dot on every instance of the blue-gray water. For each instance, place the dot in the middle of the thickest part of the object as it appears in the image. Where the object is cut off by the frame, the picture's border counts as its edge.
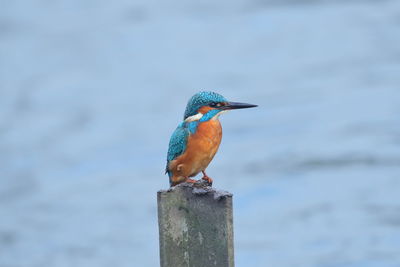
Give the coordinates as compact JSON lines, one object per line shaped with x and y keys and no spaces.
{"x":90,"y":92}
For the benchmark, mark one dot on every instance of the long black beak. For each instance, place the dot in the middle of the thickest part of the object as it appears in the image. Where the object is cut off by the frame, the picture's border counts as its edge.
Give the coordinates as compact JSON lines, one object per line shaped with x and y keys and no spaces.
{"x":236,"y":105}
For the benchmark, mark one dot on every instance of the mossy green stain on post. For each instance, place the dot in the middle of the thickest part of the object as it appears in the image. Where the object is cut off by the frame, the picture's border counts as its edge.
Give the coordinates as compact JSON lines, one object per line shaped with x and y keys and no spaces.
{"x":196,"y":227}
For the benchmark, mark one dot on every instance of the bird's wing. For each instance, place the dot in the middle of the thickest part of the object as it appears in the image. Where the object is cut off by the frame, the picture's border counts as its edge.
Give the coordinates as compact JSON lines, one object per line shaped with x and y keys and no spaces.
{"x":177,"y":143}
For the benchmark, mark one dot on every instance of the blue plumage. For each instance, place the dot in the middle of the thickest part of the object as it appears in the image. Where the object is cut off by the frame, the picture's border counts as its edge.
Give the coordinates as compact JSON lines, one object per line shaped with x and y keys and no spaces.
{"x":209,"y":115}
{"x":201,"y":99}
{"x":178,"y":141}
{"x":202,"y":107}
{"x":192,"y":126}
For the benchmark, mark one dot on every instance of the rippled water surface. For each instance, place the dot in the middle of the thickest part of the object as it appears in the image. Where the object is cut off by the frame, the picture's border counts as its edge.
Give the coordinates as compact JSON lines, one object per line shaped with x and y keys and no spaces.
{"x":90,"y":92}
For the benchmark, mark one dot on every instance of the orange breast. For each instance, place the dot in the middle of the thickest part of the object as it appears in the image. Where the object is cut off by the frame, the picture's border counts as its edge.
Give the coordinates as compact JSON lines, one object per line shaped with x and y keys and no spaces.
{"x":200,"y":150}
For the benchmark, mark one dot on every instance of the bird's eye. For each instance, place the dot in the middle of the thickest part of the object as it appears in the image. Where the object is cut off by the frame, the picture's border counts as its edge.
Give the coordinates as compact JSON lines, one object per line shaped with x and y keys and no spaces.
{"x":216,"y":104}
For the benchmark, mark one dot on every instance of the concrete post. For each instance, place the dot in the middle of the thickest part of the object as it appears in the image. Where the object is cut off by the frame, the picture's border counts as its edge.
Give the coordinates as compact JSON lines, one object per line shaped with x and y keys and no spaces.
{"x":196,"y":226}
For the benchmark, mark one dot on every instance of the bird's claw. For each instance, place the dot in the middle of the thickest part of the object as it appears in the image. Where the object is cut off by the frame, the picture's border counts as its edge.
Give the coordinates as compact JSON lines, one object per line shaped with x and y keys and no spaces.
{"x":208,"y":180}
{"x":205,"y":181}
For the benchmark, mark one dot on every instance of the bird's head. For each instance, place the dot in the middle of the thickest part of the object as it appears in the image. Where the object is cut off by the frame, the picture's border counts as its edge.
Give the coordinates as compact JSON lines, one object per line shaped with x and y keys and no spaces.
{"x":210,"y":103}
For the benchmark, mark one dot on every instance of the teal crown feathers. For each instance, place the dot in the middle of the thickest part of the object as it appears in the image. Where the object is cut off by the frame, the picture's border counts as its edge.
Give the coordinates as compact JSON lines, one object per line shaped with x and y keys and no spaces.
{"x":201,"y":99}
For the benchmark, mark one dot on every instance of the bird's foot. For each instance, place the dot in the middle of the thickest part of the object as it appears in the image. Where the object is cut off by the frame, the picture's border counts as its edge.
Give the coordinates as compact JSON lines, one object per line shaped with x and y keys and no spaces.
{"x":189,"y":180}
{"x":207,"y":179}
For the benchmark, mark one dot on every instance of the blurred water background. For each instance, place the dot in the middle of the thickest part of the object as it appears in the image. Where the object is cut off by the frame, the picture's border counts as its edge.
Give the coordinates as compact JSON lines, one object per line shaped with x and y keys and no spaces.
{"x":90,"y":92}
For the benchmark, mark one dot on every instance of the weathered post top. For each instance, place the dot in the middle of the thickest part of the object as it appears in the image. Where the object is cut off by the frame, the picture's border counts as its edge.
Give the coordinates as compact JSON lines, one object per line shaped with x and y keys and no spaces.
{"x":196,"y":226}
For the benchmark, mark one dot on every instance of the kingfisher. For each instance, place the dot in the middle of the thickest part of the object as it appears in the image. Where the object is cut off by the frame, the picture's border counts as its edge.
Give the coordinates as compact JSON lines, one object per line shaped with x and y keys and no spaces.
{"x":196,"y":140}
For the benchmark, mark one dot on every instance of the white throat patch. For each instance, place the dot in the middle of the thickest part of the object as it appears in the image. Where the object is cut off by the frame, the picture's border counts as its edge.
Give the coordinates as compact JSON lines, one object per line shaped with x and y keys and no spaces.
{"x":196,"y":117}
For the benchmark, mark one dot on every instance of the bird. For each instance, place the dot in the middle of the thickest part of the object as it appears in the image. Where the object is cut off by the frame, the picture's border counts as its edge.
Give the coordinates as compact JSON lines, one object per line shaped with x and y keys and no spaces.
{"x":195,"y":141}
